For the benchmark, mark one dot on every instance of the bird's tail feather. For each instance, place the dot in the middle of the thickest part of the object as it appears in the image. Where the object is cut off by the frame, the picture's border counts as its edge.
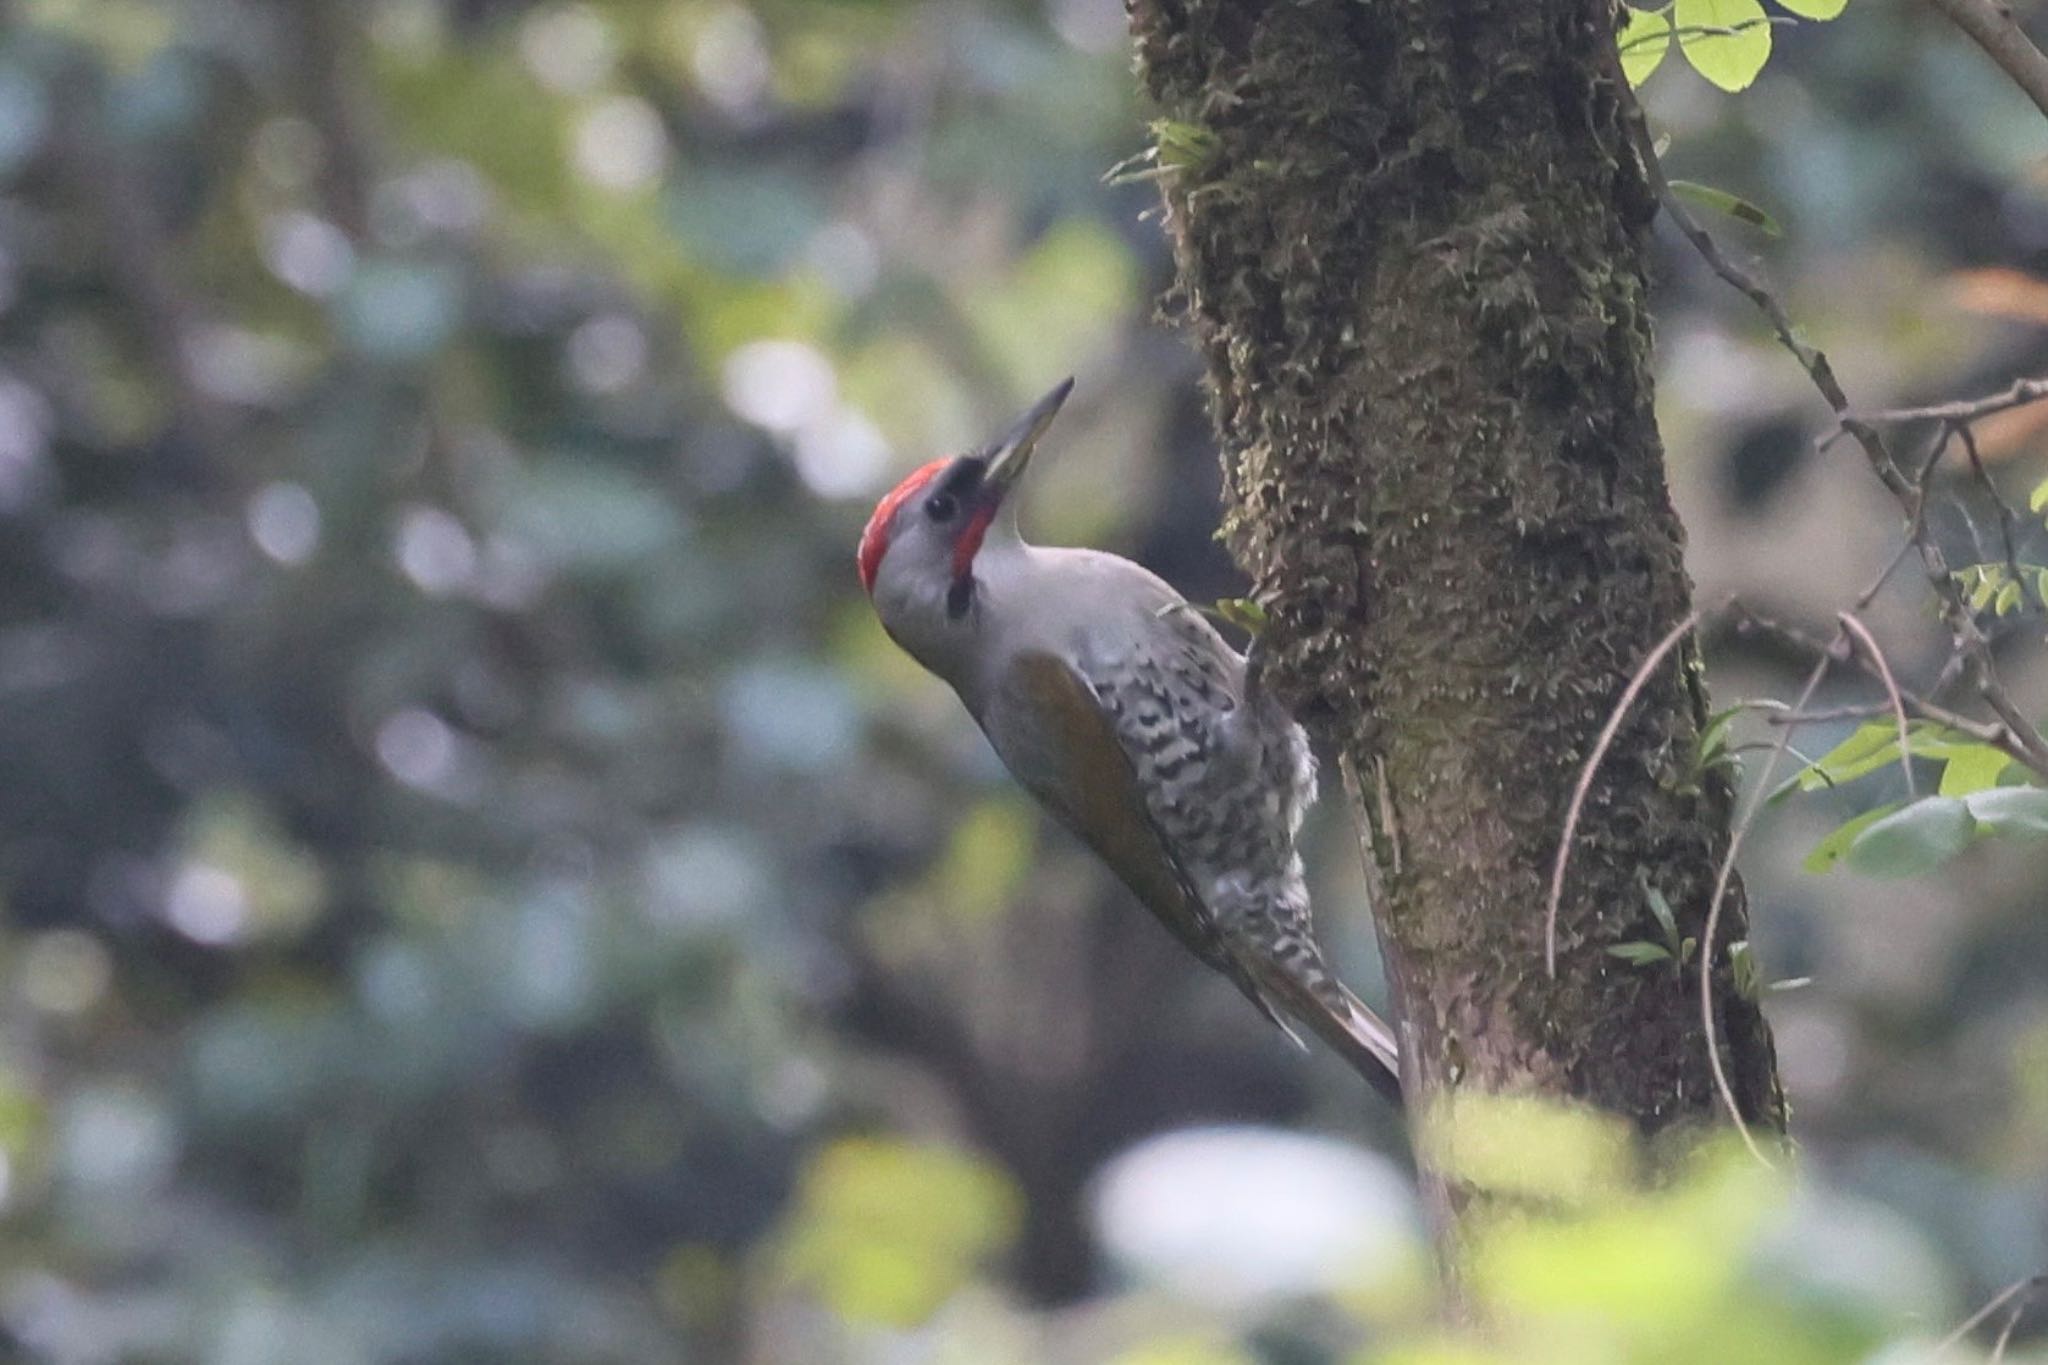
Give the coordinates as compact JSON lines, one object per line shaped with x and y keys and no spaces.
{"x":1337,"y":1017}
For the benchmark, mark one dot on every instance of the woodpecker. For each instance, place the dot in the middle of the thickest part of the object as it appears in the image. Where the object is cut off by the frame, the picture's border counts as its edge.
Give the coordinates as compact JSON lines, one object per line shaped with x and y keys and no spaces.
{"x":1118,"y":706}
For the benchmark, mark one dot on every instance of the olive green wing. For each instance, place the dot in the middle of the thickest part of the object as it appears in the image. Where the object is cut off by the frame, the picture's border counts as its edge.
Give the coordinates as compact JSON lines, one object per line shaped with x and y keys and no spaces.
{"x":1052,"y":732}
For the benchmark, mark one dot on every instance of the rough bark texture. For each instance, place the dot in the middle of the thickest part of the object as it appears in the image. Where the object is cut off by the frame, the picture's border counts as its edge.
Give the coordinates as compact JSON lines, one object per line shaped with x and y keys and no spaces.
{"x":1412,"y":239}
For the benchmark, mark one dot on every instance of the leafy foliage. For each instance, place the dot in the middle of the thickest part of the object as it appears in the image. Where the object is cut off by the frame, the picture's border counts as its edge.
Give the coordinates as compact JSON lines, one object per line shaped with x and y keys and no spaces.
{"x":1734,"y":205}
{"x":1916,"y":838}
{"x":1831,"y":850}
{"x":887,"y":1232}
{"x":1668,"y":947}
{"x":1726,"y":41}
{"x":1176,"y":146}
{"x":1875,"y":745}
{"x":1904,"y":840}
{"x":1993,"y":587}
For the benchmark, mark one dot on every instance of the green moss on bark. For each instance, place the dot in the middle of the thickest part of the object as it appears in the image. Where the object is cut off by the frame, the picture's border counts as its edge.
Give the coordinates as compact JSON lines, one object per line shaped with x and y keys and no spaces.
{"x":1415,"y":262}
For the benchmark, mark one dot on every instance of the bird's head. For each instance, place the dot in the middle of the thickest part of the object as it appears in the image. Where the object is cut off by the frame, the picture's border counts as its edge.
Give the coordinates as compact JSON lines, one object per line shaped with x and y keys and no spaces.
{"x":919,"y":552}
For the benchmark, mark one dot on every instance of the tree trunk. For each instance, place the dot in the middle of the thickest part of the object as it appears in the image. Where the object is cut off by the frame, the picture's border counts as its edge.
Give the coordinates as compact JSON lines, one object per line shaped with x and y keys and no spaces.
{"x":1412,"y":238}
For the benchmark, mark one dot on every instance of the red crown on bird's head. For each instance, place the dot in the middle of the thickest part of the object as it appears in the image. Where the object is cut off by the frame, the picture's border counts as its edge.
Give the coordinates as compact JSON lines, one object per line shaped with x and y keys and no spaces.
{"x":874,"y":540}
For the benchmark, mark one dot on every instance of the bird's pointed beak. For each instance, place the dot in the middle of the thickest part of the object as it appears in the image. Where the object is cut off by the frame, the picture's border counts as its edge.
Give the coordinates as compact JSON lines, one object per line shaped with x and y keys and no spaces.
{"x":1008,"y":456}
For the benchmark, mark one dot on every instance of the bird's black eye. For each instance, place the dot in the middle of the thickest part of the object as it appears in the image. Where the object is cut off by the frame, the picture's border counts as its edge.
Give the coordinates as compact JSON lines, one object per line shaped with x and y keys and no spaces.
{"x":941,"y":506}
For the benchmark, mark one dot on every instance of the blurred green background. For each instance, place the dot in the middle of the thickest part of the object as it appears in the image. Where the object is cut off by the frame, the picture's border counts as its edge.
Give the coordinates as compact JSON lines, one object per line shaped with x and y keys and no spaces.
{"x":475,"y":885}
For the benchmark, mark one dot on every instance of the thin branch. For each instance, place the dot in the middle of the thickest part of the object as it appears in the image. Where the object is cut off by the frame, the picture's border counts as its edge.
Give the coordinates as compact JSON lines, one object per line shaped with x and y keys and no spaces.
{"x":2022,"y":392}
{"x":2023,"y":1290}
{"x":2034,"y":749}
{"x":2012,"y":1322}
{"x":1629,"y":694}
{"x":1821,"y":714}
{"x":1976,"y":535}
{"x":1891,"y":690}
{"x":1990,"y":25}
{"x":1916,"y":527}
{"x":2008,"y":520}
{"x":1995,"y":734}
{"x":1968,"y":639}
{"x":1722,"y":876}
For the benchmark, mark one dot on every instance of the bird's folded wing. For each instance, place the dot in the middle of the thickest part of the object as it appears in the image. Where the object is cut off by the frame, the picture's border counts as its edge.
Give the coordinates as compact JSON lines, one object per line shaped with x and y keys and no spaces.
{"x":1053,"y":732}
{"x":1049,"y":727}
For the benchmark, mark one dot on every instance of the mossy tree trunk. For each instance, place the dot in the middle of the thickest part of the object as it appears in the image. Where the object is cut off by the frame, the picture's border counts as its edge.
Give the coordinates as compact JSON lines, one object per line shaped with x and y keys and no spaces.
{"x":1412,"y":238}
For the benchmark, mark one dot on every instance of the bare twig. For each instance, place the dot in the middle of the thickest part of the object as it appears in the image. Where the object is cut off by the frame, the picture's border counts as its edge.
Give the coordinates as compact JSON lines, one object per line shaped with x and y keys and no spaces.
{"x":1899,"y":703}
{"x":1968,"y":639}
{"x":2008,"y":520}
{"x":2012,"y":1322}
{"x":1916,"y":526}
{"x":2022,"y":392}
{"x":1724,"y":874}
{"x":1990,"y":25}
{"x":1976,"y":535}
{"x":1870,"y":711}
{"x":2022,"y":1290}
{"x":1891,"y":691}
{"x":1629,"y":694}
{"x":2023,"y":732}
{"x":1993,"y":733}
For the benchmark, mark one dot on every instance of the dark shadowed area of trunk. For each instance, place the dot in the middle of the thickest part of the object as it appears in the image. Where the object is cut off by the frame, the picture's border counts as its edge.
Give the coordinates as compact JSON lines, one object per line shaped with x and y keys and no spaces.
{"x":1412,"y":239}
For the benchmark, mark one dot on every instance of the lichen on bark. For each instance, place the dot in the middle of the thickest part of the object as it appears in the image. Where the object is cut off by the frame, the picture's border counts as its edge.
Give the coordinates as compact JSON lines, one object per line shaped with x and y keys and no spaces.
{"x":1413,"y":252}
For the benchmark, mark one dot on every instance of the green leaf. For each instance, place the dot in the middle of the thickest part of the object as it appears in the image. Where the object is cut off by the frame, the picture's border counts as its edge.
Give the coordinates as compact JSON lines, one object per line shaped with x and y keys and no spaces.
{"x":1815,"y":9}
{"x":886,"y":1230}
{"x":1644,"y":40}
{"x":1639,"y":952}
{"x":1873,"y":745}
{"x":2038,"y":499}
{"x":1727,"y":41}
{"x":1743,"y":967}
{"x":1713,"y":742}
{"x":1917,"y":839}
{"x":1973,"y":768}
{"x":1734,"y":205}
{"x":1182,"y":146}
{"x":2011,"y":810}
{"x":1829,"y":851}
{"x":1243,"y":612}
{"x":1869,"y":746}
{"x":2009,"y":598}
{"x":1661,"y":909}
